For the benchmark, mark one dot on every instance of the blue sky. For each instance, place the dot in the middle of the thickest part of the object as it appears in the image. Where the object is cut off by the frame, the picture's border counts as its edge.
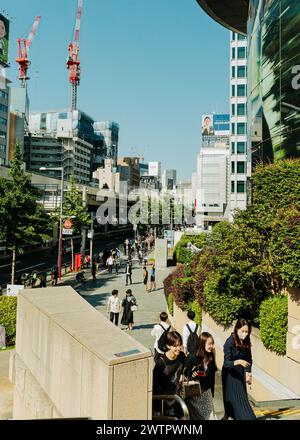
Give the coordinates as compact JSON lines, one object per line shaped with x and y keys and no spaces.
{"x":154,"y":66}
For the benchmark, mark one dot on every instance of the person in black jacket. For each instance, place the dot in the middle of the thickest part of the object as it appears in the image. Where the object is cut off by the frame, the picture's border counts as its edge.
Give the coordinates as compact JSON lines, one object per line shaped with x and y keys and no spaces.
{"x":236,"y":373}
{"x":201,"y":366}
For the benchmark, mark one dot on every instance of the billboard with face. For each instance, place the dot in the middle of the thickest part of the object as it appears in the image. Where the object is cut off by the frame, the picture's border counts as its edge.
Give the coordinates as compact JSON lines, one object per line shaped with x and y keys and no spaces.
{"x":4,"y":38}
{"x":207,"y":125}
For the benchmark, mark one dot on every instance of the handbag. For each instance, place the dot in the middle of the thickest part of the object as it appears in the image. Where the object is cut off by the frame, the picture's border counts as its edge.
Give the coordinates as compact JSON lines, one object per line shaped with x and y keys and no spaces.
{"x":190,"y":388}
{"x":134,"y":308}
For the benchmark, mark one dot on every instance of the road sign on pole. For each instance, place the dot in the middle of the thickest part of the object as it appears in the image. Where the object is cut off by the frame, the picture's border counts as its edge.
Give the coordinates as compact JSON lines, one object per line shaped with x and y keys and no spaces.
{"x":67,"y":231}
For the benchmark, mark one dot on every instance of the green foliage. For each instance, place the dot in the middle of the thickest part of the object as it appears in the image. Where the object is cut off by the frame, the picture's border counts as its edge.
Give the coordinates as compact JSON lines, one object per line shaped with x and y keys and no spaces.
{"x":222,"y":305}
{"x":23,"y":221}
{"x":196,"y":308}
{"x":285,"y":245}
{"x":170,"y":302}
{"x":73,"y":207}
{"x":274,"y":323}
{"x":8,"y":317}
{"x":184,"y":255}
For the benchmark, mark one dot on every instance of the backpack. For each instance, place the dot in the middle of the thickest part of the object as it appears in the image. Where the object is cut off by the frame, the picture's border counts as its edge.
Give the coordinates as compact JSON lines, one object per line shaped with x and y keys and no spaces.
{"x":161,"y":343}
{"x":193,"y":340}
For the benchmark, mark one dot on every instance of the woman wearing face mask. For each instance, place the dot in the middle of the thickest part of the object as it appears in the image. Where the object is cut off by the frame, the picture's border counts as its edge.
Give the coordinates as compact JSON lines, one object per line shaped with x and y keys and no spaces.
{"x":202,"y":367}
{"x":236,"y":373}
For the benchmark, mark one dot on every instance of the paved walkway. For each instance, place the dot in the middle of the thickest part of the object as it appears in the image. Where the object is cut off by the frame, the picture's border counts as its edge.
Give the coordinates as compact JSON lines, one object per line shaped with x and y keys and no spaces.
{"x":6,"y":388}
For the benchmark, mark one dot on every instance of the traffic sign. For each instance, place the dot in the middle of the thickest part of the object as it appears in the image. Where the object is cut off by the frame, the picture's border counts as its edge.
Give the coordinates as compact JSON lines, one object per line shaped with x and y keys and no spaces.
{"x":68,"y":224}
{"x":90,"y":234}
{"x":67,"y":231}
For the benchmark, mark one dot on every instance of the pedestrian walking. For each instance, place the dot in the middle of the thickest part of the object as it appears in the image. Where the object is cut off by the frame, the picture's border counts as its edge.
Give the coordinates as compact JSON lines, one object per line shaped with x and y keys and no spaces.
{"x":43,"y":279}
{"x":145,"y":278}
{"x":152,"y":278}
{"x":114,"y":307}
{"x":190,"y":334}
{"x":140,"y":255}
{"x":236,"y":373}
{"x":168,"y":370}
{"x":117,"y":263}
{"x":129,"y":306}
{"x":110,"y":263}
{"x":94,"y":270}
{"x":158,"y":330}
{"x":34,"y":277}
{"x":128,"y":273}
{"x":54,"y":276}
{"x":201,"y":367}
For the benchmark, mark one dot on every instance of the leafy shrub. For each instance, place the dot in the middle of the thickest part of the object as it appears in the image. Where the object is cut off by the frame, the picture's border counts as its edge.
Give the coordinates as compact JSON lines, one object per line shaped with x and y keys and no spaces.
{"x":195,"y":307}
{"x":184,"y":255}
{"x":8,"y":317}
{"x":170,"y":302}
{"x":223,"y":307}
{"x":274,"y":323}
{"x":168,"y":284}
{"x":182,"y":289}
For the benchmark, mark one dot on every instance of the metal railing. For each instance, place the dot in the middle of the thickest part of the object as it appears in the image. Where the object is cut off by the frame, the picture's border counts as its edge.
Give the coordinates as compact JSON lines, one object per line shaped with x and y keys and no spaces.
{"x":163,"y":398}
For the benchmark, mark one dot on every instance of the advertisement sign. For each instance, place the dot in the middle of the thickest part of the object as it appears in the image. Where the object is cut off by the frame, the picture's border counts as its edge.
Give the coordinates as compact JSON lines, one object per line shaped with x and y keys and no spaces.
{"x":13,"y":289}
{"x":207,"y":125}
{"x":4,"y":39}
{"x":221,"y":124}
{"x":67,"y":231}
{"x":154,"y":169}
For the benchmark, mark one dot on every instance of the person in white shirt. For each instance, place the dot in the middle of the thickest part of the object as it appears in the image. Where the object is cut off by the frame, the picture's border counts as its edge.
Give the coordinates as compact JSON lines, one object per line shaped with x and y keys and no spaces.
{"x":157,"y":331}
{"x":114,"y":307}
{"x":110,"y":264}
{"x":186,"y":333}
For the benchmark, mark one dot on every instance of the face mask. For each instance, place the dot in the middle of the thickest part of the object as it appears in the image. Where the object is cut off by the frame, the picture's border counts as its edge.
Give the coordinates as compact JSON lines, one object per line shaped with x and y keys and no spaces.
{"x":242,"y":335}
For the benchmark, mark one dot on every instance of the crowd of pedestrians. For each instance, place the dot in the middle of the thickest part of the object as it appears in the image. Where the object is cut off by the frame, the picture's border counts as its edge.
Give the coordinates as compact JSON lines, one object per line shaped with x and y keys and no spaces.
{"x":188,"y":363}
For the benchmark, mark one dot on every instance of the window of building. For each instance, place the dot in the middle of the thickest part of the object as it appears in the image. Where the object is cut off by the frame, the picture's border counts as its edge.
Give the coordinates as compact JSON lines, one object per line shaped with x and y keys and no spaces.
{"x":241,"y":53}
{"x":241,"y":90}
{"x":232,"y":168}
{"x":232,"y":147}
{"x":233,"y":53}
{"x":241,"y":128}
{"x":232,"y":186}
{"x":233,"y":109}
{"x":240,"y":167}
{"x":232,"y":128}
{"x":241,"y":148}
{"x":241,"y":37}
{"x":240,"y":187}
{"x":241,"y":109}
{"x":233,"y":90}
{"x":233,"y":36}
{"x":241,"y":71}
{"x":233,"y":71}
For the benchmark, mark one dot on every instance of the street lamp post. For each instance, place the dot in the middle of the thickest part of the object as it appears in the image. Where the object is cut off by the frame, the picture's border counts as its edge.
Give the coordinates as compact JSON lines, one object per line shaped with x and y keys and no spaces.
{"x":59,"y":257}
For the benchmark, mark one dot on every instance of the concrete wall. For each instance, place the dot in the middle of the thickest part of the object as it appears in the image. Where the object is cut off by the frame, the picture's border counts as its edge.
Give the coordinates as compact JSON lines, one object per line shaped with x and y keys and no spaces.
{"x":66,"y":363}
{"x":161,"y":252}
{"x":275,"y":377}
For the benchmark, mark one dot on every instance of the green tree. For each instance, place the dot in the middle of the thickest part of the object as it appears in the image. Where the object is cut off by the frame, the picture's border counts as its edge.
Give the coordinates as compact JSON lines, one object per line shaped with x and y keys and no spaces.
{"x":23,"y":221}
{"x":74,"y":209}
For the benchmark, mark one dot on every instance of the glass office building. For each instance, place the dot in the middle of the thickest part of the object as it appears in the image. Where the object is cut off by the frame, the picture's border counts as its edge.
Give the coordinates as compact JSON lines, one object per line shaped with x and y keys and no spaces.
{"x":274,"y":79}
{"x":272,"y":28}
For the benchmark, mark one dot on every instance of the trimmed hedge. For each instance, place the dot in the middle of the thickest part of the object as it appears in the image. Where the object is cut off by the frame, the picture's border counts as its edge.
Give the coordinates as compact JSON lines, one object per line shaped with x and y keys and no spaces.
{"x":224,"y":308}
{"x":8,"y":318}
{"x":195,"y":307}
{"x":184,"y":255}
{"x":170,"y":302}
{"x":274,"y":323}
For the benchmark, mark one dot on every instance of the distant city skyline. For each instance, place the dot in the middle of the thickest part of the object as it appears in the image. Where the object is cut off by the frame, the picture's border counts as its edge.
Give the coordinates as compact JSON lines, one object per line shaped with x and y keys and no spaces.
{"x":143,"y":66}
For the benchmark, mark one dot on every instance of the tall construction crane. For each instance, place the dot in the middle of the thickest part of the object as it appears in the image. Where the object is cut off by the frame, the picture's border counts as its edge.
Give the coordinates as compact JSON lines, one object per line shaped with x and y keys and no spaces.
{"x":73,"y":62}
{"x":23,"y":52}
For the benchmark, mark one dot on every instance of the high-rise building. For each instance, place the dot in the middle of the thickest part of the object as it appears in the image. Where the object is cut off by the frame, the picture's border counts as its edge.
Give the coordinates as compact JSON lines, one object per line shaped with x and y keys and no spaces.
{"x":61,"y":139}
{"x":273,"y":111}
{"x":4,"y":119}
{"x":132,"y":164}
{"x":210,"y":187}
{"x":238,"y":118}
{"x":19,"y":119}
{"x":155,"y":169}
{"x":169,"y":179}
{"x":106,"y":142}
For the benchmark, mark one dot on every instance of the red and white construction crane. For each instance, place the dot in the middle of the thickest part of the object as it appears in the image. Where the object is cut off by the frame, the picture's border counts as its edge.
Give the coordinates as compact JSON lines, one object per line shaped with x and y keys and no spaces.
{"x":73,"y":62}
{"x":23,"y":52}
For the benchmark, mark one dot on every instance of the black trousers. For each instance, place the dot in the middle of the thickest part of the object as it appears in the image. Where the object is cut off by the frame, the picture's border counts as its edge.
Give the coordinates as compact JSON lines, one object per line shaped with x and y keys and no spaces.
{"x":114,"y":317}
{"x":128,"y":277}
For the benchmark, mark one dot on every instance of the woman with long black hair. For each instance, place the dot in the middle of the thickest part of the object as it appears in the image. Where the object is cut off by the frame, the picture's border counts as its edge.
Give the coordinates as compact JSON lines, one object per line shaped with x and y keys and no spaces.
{"x":201,"y":366}
{"x":236,"y":373}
